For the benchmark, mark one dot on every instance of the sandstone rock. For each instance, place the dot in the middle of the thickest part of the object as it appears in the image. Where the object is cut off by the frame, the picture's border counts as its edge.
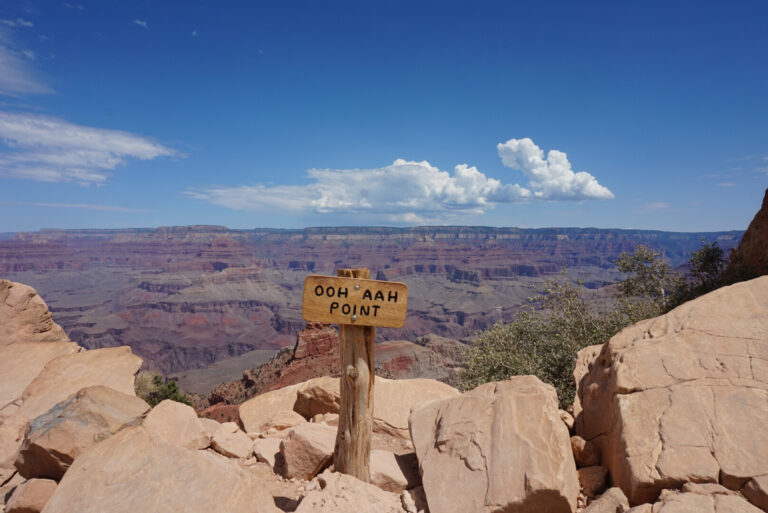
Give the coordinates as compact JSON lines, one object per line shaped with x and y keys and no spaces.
{"x":392,"y":472}
{"x":209,"y":425}
{"x":319,"y":395}
{"x":586,"y":454}
{"x":666,"y":398}
{"x":285,"y":419}
{"x":593,"y":479}
{"x":222,"y":413}
{"x":257,"y":412}
{"x":24,"y":316}
{"x":266,"y":450}
{"x":340,"y":493}
{"x":499,"y":447}
{"x":31,"y":496}
{"x":308,"y":448}
{"x":756,"y":491}
{"x":177,"y":424}
{"x":132,"y":471}
{"x":230,"y":441}
{"x":642,"y":508}
{"x":674,"y":501}
{"x":332,"y":419}
{"x":21,"y":362}
{"x":12,"y":432}
{"x":113,"y":367}
{"x":315,"y":339}
{"x":750,"y":259}
{"x":612,"y":501}
{"x":57,"y":437}
{"x":414,"y":500}
{"x":7,"y":486}
{"x":393,"y":401}
{"x":567,"y":419}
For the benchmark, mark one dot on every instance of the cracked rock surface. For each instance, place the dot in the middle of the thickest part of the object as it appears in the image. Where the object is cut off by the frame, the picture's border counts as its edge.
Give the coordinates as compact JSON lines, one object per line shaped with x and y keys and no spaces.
{"x":499,"y":447}
{"x":682,"y":397}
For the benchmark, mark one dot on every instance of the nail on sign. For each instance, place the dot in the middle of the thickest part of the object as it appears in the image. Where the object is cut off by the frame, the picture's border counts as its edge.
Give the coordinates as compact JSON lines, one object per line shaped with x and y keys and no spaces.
{"x":354,"y":301}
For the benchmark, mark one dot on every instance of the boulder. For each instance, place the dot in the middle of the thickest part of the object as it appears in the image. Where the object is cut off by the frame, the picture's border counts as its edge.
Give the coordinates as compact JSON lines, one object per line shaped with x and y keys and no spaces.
{"x":24,"y":316}
{"x":612,"y":501}
{"x":256,"y":413}
{"x":285,"y":419}
{"x":132,"y":471}
{"x":665,"y":399}
{"x":57,"y":437}
{"x":31,"y":496}
{"x":113,"y":367}
{"x":266,"y":450}
{"x":308,"y":448}
{"x":567,"y":419}
{"x":177,"y":424}
{"x":230,"y":441}
{"x":21,"y":362}
{"x":756,"y":491}
{"x":7,"y":486}
{"x":593,"y":480}
{"x":682,"y":501}
{"x":209,"y":425}
{"x":750,"y":259}
{"x":12,"y":432}
{"x":585,"y":453}
{"x":499,"y":447}
{"x":332,"y":419}
{"x":317,"y":396}
{"x":393,"y":472}
{"x":340,"y":493}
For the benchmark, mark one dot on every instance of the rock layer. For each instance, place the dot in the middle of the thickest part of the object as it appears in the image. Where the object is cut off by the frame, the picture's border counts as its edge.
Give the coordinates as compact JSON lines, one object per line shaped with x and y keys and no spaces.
{"x":666,"y":398}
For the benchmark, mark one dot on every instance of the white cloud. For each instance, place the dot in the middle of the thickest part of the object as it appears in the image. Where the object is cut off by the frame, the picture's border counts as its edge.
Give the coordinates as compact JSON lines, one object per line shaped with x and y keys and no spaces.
{"x":53,"y":150}
{"x":16,"y":76}
{"x":24,"y":23}
{"x":79,"y":7}
{"x":141,"y":23}
{"x":550,"y":178}
{"x":656,"y":206}
{"x":83,"y":206}
{"x":410,"y":192}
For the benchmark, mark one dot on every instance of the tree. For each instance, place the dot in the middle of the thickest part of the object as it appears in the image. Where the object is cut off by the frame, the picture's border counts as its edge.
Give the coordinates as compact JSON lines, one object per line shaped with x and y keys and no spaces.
{"x":650,"y":277}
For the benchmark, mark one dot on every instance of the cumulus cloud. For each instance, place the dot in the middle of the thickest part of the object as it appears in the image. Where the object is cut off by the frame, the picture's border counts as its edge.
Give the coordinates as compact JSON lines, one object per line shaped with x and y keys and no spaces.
{"x":54,"y":150}
{"x":411,"y":192}
{"x":550,"y":178}
{"x":141,"y":23}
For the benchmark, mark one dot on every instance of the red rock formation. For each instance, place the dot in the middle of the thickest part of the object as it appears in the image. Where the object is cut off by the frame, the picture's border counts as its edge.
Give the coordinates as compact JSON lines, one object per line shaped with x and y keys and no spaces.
{"x":315,"y":340}
{"x":750,"y":259}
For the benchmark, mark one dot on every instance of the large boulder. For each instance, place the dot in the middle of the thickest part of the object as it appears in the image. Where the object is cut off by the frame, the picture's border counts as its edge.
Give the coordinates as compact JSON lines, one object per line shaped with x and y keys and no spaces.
{"x":394,"y":472}
{"x":256,"y":414}
{"x":306,"y":451}
{"x":499,"y":447}
{"x":612,"y":501}
{"x":24,"y":316}
{"x":30,"y":496}
{"x":177,"y":424}
{"x":392,"y":400}
{"x":340,"y":493}
{"x":230,"y":441}
{"x":132,"y":471}
{"x":666,"y":399}
{"x":694,"y":498}
{"x":113,"y":367}
{"x":57,"y":437}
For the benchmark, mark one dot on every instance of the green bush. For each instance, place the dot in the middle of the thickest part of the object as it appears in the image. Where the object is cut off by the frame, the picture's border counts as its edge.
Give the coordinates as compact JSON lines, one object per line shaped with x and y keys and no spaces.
{"x":153,"y":389}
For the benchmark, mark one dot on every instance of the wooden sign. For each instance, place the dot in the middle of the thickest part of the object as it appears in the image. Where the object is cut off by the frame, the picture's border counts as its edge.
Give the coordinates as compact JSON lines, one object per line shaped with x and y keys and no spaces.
{"x":354,"y":301}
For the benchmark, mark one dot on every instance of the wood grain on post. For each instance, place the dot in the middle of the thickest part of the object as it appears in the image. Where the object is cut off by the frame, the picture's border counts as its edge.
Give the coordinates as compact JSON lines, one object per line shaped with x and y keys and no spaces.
{"x":353,"y":441}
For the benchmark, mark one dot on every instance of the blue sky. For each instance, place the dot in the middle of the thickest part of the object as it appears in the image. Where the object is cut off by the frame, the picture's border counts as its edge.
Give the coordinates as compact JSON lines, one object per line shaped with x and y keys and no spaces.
{"x":290,"y":114}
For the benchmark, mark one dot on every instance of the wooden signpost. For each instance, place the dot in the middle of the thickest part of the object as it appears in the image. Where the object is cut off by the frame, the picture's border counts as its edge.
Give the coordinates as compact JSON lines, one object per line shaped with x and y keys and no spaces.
{"x":357,"y":305}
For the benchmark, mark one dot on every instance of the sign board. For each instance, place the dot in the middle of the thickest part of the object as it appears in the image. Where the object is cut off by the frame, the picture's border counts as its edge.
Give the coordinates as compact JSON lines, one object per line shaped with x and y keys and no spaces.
{"x":354,"y":301}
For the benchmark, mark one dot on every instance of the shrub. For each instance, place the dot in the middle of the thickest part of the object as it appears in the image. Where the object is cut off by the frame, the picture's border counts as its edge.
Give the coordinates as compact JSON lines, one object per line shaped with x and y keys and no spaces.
{"x":151,"y":387}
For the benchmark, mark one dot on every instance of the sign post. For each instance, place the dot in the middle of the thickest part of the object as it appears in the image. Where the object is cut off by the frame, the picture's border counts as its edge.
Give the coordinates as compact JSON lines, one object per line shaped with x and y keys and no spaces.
{"x":357,"y":304}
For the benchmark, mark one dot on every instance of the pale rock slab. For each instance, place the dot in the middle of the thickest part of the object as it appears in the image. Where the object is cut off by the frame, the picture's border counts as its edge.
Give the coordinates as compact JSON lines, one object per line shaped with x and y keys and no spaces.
{"x":567,"y":419}
{"x":24,"y":316}
{"x":56,"y":438}
{"x":665,"y":399}
{"x":131,"y":472}
{"x":31,"y":496}
{"x":308,"y":448}
{"x":209,"y":425}
{"x":230,"y":441}
{"x":756,"y":491}
{"x":113,"y":367}
{"x":612,"y":501}
{"x":674,"y":501}
{"x":12,"y":431}
{"x":266,"y":450}
{"x":256,"y":413}
{"x":332,"y":419}
{"x":21,"y":362}
{"x":340,"y":493}
{"x":7,"y":486}
{"x":177,"y":424}
{"x":499,"y":447}
{"x":317,"y":396}
{"x":285,"y":419}
{"x":394,"y":473}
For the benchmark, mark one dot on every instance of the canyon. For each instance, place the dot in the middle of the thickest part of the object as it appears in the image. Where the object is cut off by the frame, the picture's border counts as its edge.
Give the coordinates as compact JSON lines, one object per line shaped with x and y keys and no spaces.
{"x":191,"y":297}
